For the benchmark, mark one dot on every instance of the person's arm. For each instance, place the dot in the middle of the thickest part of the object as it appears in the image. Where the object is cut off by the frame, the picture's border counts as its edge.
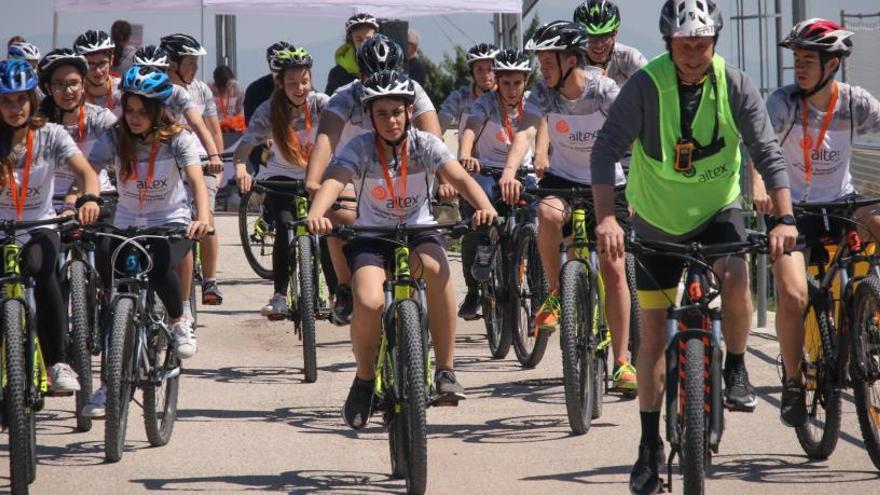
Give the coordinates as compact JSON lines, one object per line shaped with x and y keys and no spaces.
{"x":763,"y":202}
{"x":213,"y":124}
{"x":542,"y":148}
{"x":85,"y":175}
{"x":196,"y":179}
{"x":449,"y":111}
{"x":239,"y":158}
{"x":197,"y":124}
{"x":335,"y":182}
{"x":329,"y":131}
{"x":510,"y":187}
{"x":457,"y":177}
{"x":466,"y":145}
{"x":428,"y":122}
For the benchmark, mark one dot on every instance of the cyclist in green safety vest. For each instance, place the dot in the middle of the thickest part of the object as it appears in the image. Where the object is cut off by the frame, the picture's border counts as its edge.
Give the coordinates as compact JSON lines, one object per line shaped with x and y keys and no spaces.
{"x":684,"y":115}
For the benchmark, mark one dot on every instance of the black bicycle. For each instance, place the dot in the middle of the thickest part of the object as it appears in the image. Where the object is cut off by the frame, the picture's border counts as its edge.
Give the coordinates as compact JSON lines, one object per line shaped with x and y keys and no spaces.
{"x":694,"y":401}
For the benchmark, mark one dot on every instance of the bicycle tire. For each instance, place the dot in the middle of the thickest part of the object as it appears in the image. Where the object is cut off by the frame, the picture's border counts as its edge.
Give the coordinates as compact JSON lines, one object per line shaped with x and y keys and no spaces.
{"x":578,"y":305}
{"x":495,"y":293}
{"x":306,"y":305}
{"x":866,"y":365}
{"x":818,"y":438}
{"x":160,"y":400}
{"x":193,"y":303}
{"x":694,"y":421}
{"x":600,"y":374}
{"x":635,"y":313}
{"x":527,"y":291}
{"x":118,"y":373}
{"x":410,"y":423}
{"x":18,"y":414}
{"x":262,"y":264}
{"x":80,"y":335}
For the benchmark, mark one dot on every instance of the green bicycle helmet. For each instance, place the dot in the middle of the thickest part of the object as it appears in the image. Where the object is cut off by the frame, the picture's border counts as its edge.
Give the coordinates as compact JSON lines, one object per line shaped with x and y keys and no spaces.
{"x":598,"y":17}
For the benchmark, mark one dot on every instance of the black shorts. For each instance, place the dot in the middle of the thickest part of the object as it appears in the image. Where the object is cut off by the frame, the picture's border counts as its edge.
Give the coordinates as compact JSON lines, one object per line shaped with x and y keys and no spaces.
{"x":815,"y":230}
{"x":380,"y":252}
{"x":621,"y":208}
{"x":657,"y":276}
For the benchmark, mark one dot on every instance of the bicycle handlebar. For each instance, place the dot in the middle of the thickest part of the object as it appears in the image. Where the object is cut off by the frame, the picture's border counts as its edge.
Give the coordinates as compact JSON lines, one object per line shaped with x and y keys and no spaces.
{"x":755,"y":242}
{"x":844,"y":205}
{"x":454,"y":228}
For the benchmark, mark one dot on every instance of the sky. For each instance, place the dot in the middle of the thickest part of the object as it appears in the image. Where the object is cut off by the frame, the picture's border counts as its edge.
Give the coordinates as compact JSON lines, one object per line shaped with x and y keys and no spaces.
{"x":321,"y":36}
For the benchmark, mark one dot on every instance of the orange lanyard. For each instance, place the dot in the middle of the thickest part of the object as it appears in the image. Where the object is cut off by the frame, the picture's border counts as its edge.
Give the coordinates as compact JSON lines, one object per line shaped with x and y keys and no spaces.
{"x":151,"y":171}
{"x":307,"y":149}
{"x":19,"y":198}
{"x":505,"y":120}
{"x":81,"y":124}
{"x":404,"y":158}
{"x":806,"y":142}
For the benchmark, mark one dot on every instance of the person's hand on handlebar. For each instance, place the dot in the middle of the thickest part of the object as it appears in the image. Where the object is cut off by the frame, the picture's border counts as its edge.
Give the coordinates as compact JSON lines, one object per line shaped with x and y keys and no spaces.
{"x":319,"y":224}
{"x":510,"y":187}
{"x":88,"y":212}
{"x":782,"y":239}
{"x":483,"y":217}
{"x":609,"y":238}
{"x":243,"y":178}
{"x":197,"y":229}
{"x":470,"y":164}
{"x":215,"y":164}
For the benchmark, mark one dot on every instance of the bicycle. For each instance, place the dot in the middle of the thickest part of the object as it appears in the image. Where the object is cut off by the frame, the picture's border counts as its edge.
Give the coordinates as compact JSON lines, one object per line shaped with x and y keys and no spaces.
{"x":24,"y":377}
{"x":694,"y":402}
{"x":584,"y":336}
{"x":842,"y":347}
{"x":256,"y":229}
{"x":404,"y":379}
{"x":139,"y":349}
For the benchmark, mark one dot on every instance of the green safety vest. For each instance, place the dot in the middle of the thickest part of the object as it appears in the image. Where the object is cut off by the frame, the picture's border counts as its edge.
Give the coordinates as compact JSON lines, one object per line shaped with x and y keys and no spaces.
{"x":670,"y":200}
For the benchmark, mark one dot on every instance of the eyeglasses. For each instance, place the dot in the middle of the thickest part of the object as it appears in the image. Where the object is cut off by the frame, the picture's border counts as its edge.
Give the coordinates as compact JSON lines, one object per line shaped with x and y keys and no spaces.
{"x":60,"y":87}
{"x":600,"y":40}
{"x":99,"y":65}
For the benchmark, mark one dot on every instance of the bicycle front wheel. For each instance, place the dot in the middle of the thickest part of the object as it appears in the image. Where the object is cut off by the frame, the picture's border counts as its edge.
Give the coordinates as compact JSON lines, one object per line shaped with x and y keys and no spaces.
{"x":160,"y":395}
{"x":694,"y":421}
{"x":306,"y":304}
{"x":580,"y":304}
{"x":527,"y":289}
{"x":19,"y":415}
{"x":80,"y":334}
{"x":119,"y":378}
{"x":494,"y":302}
{"x":866,"y":364}
{"x":256,"y":233}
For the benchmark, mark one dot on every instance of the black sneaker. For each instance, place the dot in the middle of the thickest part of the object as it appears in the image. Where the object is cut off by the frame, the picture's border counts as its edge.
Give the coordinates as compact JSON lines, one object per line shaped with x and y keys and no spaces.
{"x":645,"y":476}
{"x":211,"y":295}
{"x":738,"y":392}
{"x":482,"y":267}
{"x":470,"y":307}
{"x":448,"y":388}
{"x":342,"y":305}
{"x":359,"y":404}
{"x":794,"y":408}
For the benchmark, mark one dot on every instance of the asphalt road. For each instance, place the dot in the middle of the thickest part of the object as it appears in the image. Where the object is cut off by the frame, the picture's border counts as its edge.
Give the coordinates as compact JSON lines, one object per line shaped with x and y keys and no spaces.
{"x":247,"y":422}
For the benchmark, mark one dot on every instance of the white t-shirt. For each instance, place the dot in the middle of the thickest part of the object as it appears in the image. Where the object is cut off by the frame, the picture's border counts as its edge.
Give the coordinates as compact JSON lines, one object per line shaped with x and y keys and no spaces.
{"x":456,"y":107}
{"x":492,"y":140}
{"x":112,"y":100}
{"x":624,"y":62}
{"x":200,"y":97}
{"x":97,"y":121}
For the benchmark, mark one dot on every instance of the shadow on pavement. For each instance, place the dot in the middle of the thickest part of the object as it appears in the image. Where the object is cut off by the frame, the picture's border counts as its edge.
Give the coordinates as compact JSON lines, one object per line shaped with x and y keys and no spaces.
{"x":294,"y":482}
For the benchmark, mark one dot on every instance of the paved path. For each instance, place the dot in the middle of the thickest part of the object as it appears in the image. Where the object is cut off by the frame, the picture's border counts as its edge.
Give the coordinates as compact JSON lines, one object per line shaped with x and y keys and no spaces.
{"x":247,"y":422}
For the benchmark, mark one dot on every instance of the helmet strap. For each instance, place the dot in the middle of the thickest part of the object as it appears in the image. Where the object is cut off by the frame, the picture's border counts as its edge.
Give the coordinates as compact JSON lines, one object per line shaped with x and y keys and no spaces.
{"x":562,"y":77}
{"x":824,"y":80}
{"x":395,"y":143}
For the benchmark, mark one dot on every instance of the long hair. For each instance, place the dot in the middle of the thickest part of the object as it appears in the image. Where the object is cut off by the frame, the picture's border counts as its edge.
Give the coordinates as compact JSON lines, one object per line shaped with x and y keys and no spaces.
{"x":163,"y":129}
{"x":120,"y":32}
{"x":222,"y":75}
{"x":6,"y":162}
{"x":282,"y":114}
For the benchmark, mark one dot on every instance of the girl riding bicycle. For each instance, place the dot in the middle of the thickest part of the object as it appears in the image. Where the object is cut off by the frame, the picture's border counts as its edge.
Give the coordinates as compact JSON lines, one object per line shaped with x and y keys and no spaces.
{"x":101,"y":87}
{"x":394,"y":169}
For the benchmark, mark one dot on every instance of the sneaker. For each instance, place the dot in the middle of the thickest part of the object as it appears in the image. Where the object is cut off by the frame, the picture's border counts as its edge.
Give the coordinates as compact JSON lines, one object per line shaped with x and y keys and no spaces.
{"x":342,"y":305}
{"x":211,"y":295}
{"x":276,"y":309}
{"x":184,"y":339}
{"x":359,"y":404}
{"x":794,"y":403}
{"x":471,"y":306}
{"x":187,"y":313}
{"x":62,"y":380}
{"x":645,"y":476}
{"x":482,"y":267}
{"x":548,"y":314}
{"x":96,"y":406}
{"x":625,"y":377}
{"x":448,"y":388}
{"x":738,"y":392}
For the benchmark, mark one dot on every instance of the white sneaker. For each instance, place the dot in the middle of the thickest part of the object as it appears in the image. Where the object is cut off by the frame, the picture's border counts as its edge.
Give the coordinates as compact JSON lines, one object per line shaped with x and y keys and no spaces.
{"x":276,"y":309}
{"x":184,"y":339}
{"x":62,"y":379}
{"x":96,"y":406}
{"x":187,"y":314}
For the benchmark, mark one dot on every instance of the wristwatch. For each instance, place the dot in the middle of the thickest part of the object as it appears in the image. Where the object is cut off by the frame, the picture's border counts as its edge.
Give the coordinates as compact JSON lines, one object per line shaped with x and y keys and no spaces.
{"x":86,"y":198}
{"x":786,"y":220}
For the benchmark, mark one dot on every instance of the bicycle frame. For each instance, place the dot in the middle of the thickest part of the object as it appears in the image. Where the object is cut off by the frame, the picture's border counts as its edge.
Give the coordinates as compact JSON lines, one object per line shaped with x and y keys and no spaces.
{"x":296,"y":230}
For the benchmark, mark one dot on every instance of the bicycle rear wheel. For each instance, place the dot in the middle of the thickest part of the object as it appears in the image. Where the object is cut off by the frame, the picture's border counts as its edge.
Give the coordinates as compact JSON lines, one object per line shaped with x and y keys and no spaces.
{"x":408,"y":433}
{"x":494,"y":304}
{"x":818,"y":438}
{"x":18,"y":414}
{"x":306,"y":304}
{"x":256,"y":233}
{"x":527,"y":289}
{"x":577,"y":319}
{"x":866,"y":364}
{"x":160,"y":396}
{"x":80,"y":334}
{"x":694,"y":421}
{"x":119,"y":378}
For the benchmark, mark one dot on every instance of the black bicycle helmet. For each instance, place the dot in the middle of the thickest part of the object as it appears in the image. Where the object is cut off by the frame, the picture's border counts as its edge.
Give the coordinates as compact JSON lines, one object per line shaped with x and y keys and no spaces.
{"x":379,"y":53}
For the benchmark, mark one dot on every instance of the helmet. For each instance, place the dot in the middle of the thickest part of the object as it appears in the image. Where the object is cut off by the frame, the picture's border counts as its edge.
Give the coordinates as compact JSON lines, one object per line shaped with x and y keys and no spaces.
{"x":690,"y":18}
{"x":823,"y":36}
{"x":292,"y":57}
{"x":16,"y":76}
{"x":147,"y":82}
{"x":360,"y":20}
{"x":180,"y":45}
{"x":23,"y":50}
{"x":482,"y":51}
{"x":272,"y":50}
{"x":511,"y":60}
{"x":93,"y":41}
{"x":379,"y":53}
{"x":57,"y":58}
{"x":558,"y":35}
{"x":151,"y":56}
{"x":598,"y":17}
{"x":385,"y":83}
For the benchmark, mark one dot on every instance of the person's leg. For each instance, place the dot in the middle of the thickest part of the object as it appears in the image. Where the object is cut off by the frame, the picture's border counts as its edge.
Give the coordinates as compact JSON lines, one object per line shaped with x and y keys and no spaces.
{"x":337,"y":271}
{"x":789,"y":272}
{"x":208,"y":248}
{"x":617,"y":312}
{"x":470,"y":306}
{"x":165,"y":281}
{"x":280,"y":210}
{"x":185,"y":276}
{"x":551,"y":217}
{"x":736,"y":301}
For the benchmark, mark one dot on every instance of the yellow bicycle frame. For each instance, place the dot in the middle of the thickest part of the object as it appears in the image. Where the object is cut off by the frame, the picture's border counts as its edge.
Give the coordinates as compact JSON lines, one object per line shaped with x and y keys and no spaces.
{"x":11,"y":266}
{"x":582,"y":253}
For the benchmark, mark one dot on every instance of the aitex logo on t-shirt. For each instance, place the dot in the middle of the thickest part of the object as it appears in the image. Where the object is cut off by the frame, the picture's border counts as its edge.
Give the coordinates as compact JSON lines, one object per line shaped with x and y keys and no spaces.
{"x":501,"y":137}
{"x":156,"y":184}
{"x":379,"y":193}
{"x":33,"y":193}
{"x":562,"y":127}
{"x":819,"y":155}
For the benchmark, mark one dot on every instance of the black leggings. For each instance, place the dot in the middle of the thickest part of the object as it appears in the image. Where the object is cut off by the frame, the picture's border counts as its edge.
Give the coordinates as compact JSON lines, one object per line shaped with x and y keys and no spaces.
{"x":40,"y":261}
{"x":167,"y":254}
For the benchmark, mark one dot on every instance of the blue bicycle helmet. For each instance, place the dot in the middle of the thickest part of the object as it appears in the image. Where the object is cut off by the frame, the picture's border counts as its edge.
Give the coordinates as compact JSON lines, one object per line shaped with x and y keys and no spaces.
{"x":16,"y":75}
{"x":147,"y":82}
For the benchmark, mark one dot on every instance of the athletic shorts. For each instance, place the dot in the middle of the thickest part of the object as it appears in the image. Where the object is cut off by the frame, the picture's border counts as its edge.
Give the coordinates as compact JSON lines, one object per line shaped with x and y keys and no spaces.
{"x":380,"y":252}
{"x":621,"y":208}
